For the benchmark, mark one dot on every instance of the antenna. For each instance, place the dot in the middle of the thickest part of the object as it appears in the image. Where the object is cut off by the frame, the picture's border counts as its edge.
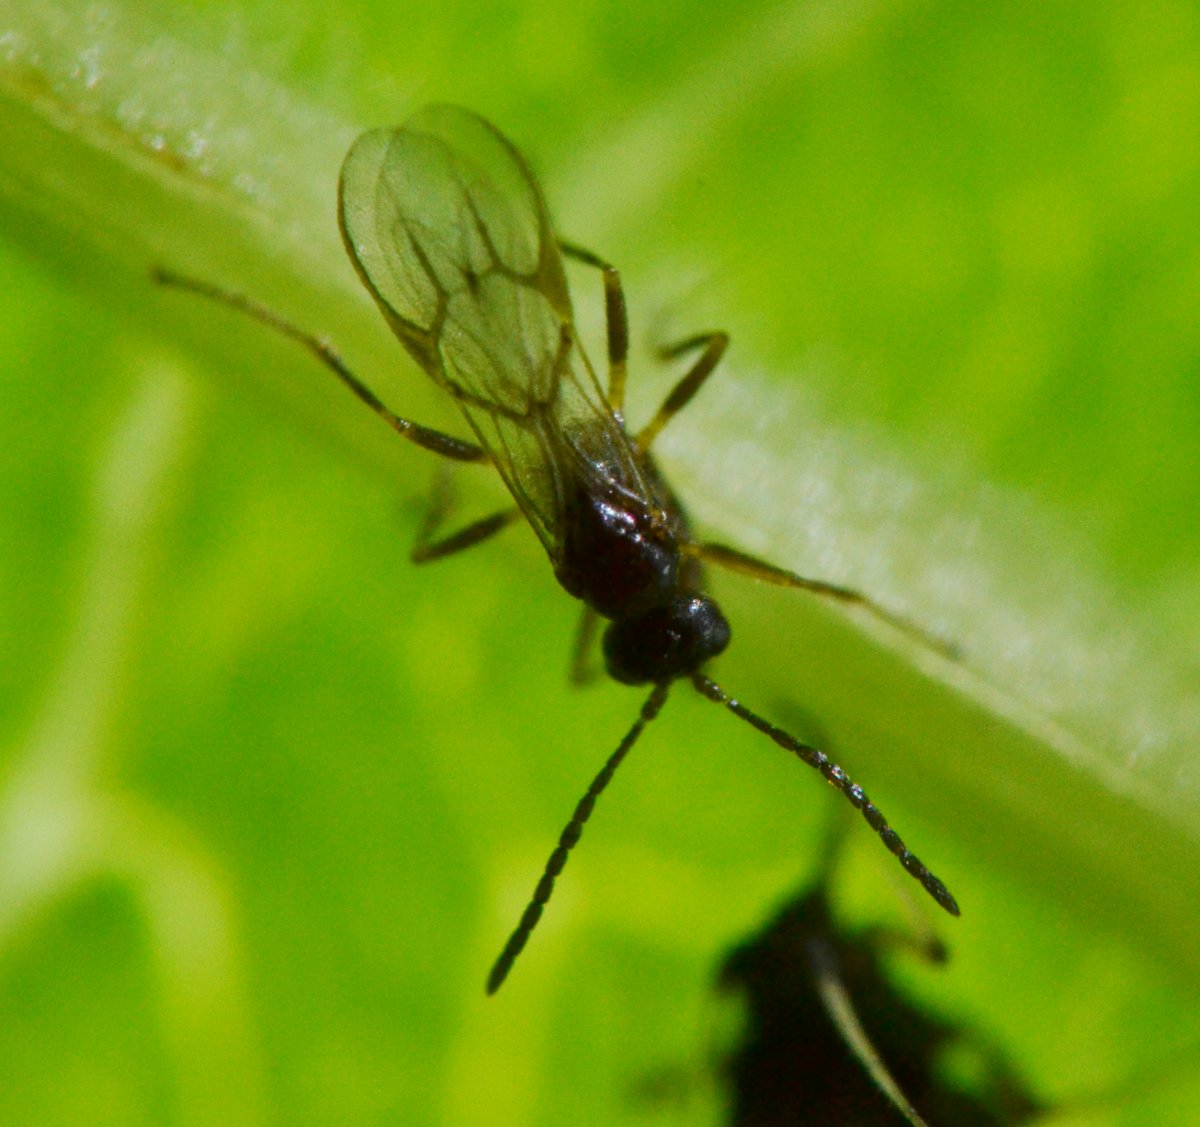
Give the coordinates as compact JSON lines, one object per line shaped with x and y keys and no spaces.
{"x":567,"y":840}
{"x":834,"y":774}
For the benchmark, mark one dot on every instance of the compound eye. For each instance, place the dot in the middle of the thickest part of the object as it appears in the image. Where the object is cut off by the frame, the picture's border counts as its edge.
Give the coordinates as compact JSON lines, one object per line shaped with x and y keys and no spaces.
{"x":665,"y":642}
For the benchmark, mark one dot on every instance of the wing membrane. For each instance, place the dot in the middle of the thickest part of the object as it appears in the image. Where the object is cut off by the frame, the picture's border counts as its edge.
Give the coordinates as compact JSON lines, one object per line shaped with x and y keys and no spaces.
{"x":450,"y":233}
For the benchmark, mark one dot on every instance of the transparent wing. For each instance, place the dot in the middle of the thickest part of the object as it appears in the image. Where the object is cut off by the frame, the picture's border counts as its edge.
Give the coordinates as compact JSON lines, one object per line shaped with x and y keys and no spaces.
{"x":449,"y":231}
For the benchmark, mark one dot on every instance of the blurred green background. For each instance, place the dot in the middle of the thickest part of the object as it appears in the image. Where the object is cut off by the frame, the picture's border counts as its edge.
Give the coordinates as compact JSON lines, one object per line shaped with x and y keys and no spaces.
{"x":271,"y":797}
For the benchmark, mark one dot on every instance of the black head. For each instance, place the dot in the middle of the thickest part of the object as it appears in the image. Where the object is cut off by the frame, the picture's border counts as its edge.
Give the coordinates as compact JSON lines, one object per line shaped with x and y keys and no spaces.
{"x":665,"y":642}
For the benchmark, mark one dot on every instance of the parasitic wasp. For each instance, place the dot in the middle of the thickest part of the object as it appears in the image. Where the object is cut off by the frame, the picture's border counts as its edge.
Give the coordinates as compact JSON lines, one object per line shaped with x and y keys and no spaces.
{"x":449,"y":232}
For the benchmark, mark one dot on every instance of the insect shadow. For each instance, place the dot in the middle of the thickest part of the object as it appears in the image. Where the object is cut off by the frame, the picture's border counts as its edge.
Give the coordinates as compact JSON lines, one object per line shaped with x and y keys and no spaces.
{"x":831,"y":1036}
{"x":449,"y":232}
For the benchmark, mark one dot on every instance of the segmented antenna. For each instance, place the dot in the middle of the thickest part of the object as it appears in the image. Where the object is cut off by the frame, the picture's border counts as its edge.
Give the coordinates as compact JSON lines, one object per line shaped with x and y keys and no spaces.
{"x":838,"y":778}
{"x":567,"y":841}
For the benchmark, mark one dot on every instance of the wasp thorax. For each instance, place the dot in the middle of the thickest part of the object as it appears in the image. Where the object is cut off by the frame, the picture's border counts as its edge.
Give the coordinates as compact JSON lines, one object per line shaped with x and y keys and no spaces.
{"x":665,"y":642}
{"x":618,"y":558}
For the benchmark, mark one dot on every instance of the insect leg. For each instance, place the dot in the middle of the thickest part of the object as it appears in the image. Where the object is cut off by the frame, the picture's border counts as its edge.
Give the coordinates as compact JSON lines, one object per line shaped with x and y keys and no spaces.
{"x":834,"y":775}
{"x":616,"y":318}
{"x":429,"y":547}
{"x":583,"y":669}
{"x":713,"y":345}
{"x":733,"y":560}
{"x":444,"y":444}
{"x":425,"y":551}
{"x":567,"y":841}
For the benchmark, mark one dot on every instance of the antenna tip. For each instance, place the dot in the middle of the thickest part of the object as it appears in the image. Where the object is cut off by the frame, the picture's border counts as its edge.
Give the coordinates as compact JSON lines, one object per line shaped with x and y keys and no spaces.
{"x":943,"y":896}
{"x":497,"y":975}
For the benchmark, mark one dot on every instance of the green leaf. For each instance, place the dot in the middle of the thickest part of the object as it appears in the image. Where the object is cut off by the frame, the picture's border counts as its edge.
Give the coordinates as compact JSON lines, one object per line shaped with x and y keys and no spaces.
{"x":273,"y":797}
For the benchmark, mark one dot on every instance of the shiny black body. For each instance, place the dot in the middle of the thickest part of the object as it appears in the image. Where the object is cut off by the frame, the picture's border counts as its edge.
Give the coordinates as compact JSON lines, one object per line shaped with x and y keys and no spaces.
{"x":624,"y":557}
